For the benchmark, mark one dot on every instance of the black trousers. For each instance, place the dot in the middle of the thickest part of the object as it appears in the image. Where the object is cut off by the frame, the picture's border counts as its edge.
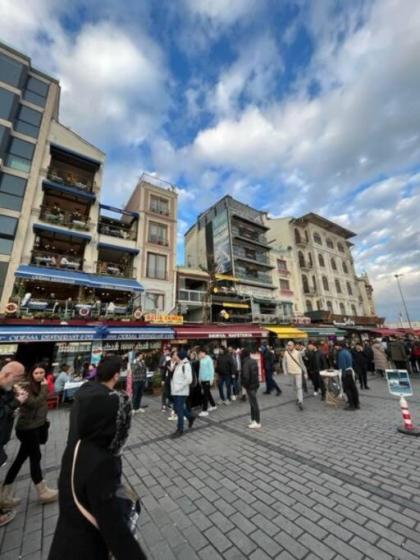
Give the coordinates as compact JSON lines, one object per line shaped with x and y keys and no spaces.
{"x":270,"y":383}
{"x":29,"y":448}
{"x":350,"y":389}
{"x":317,"y":381}
{"x":362,"y":375}
{"x":255,"y":410}
{"x":207,"y":396}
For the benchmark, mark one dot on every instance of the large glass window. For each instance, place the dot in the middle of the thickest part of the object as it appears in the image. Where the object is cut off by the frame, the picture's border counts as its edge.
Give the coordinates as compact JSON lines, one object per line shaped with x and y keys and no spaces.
{"x":20,"y":155}
{"x":158,"y":233}
{"x":12,"y":191}
{"x":159,"y":205}
{"x":156,"y":266}
{"x":6,"y":104}
{"x":3,"y":272}
{"x":10,"y":70}
{"x":7,"y":234}
{"x":36,"y":91}
{"x":28,"y":121}
{"x":154,"y":302}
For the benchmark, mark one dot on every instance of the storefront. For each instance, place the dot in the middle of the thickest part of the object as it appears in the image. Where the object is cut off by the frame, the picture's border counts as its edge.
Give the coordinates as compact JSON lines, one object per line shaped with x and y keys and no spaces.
{"x":213,"y":336}
{"x":280,"y":335}
{"x":326,"y":333}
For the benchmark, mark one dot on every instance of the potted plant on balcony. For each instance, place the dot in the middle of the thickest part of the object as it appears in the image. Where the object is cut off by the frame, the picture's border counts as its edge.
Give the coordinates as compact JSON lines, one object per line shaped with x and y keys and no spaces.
{"x":157,"y":384}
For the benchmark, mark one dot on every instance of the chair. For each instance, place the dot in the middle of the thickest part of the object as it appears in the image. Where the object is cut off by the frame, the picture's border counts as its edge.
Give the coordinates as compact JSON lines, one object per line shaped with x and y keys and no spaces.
{"x":53,"y":401}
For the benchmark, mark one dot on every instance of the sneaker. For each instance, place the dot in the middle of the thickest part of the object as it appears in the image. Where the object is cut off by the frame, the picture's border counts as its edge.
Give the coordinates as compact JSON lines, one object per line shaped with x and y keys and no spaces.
{"x":191,"y":421}
{"x":278,"y":393}
{"x":315,"y":393}
{"x":252,"y":425}
{"x":173,"y":418}
{"x":176,"y":434}
{"x":233,"y":398}
{"x":203,"y":413}
{"x":6,"y":517}
{"x":256,"y":426}
{"x":300,"y":405}
{"x":141,"y":410}
{"x":133,"y":412}
{"x":211,"y":408}
{"x":227,"y":403}
{"x":163,"y":409}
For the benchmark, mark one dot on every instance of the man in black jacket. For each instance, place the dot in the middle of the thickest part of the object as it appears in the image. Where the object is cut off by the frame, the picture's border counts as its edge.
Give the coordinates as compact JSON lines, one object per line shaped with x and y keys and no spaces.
{"x":251,"y":383}
{"x":226,"y":369}
{"x":268,"y":360}
{"x":315,"y":363}
{"x":360,"y":365}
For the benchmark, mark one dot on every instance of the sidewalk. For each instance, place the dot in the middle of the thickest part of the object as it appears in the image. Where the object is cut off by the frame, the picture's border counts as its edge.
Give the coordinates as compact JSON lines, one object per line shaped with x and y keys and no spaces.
{"x":318,"y":484}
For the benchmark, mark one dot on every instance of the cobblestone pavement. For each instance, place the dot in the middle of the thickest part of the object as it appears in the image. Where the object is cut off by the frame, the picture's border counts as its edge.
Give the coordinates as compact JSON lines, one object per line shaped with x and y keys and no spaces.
{"x":318,"y":484}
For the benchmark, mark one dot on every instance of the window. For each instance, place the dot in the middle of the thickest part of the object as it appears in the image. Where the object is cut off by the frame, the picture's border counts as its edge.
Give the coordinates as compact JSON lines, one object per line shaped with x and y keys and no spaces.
{"x":340,"y":247}
{"x":338,"y":285}
{"x":342,"y":309}
{"x":3,"y":272}
{"x":317,"y":238}
{"x":308,"y":305}
{"x":12,"y":191}
{"x":10,"y":70}
{"x":301,"y":259}
{"x":321,"y":260}
{"x":6,"y":104}
{"x":20,"y":155}
{"x":156,"y":266}
{"x":305,"y":284}
{"x":319,"y":305}
{"x":158,"y":233}
{"x":314,"y":282}
{"x":325,"y":283}
{"x":349,"y":290}
{"x":284,"y":284}
{"x":330,"y":244}
{"x":281,"y":265}
{"x":159,"y":205}
{"x":310,"y":261}
{"x":7,"y":234}
{"x":298,"y":238}
{"x":353,"y":310}
{"x":154,"y":302}
{"x":36,"y":91}
{"x":333,"y":264}
{"x":28,"y":121}
{"x":345,"y":269}
{"x":330,"y":306}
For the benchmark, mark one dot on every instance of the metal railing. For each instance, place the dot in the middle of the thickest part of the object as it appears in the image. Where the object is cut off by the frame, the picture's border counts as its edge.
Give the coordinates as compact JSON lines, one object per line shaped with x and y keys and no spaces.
{"x":65,"y":218}
{"x":118,"y":231}
{"x":256,"y":257}
{"x":191,"y":296}
{"x":158,"y":240}
{"x":69,"y":180}
{"x":51,"y":259}
{"x":286,"y":292}
{"x":249,"y":235}
{"x":259,"y":277}
{"x":115,"y":269}
{"x":72,"y":308}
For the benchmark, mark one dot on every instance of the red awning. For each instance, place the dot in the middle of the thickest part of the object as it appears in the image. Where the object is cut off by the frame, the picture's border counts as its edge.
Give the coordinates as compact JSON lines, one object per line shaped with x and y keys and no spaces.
{"x":388,"y":332}
{"x":220,"y":331}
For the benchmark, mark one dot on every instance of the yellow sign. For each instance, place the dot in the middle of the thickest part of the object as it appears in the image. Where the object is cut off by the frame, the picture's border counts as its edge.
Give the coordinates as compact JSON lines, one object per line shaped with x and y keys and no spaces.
{"x":226,"y":277}
{"x":161,"y":319}
{"x":236,"y":305}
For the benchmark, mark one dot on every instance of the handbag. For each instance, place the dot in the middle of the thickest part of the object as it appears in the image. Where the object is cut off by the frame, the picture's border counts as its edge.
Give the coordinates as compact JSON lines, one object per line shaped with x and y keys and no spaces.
{"x":43,"y":432}
{"x":127,"y":499}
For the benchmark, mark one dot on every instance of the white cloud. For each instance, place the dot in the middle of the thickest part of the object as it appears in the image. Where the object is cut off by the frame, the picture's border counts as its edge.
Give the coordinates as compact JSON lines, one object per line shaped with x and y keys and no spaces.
{"x":222,"y":12}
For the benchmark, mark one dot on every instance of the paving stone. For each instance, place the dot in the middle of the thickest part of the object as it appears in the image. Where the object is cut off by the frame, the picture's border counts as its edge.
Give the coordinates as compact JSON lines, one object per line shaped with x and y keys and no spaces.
{"x":217,"y":539}
{"x":267,"y":544}
{"x":241,"y":541}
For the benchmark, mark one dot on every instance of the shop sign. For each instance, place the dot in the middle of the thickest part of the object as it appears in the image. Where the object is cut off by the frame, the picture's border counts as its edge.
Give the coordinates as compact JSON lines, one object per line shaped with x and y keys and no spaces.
{"x":163,"y":319}
{"x":6,"y":349}
{"x":45,"y":337}
{"x":399,"y":383}
{"x":71,"y":347}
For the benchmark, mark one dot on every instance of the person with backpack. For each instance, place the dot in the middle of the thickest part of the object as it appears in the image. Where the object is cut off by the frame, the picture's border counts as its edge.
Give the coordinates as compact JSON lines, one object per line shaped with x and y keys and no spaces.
{"x":139,"y":377}
{"x":180,"y":389}
{"x":251,"y":383}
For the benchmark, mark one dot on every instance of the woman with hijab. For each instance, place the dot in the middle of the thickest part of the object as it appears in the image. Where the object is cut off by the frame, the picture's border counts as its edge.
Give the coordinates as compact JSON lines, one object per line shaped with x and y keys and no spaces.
{"x":96,"y":516}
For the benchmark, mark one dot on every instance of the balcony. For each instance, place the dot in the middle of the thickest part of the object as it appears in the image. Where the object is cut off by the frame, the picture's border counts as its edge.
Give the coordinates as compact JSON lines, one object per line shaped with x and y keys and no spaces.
{"x":159,"y":210}
{"x":158,"y":240}
{"x":258,"y":278}
{"x":67,"y":309}
{"x":301,"y":242}
{"x":251,"y":256}
{"x":106,"y":268}
{"x":249,"y":235}
{"x":283,"y":272}
{"x":307,"y":266}
{"x":286,"y":292}
{"x":70,"y":219}
{"x":119,"y":230}
{"x":192,"y":296}
{"x":41,"y":257}
{"x":72,"y":179}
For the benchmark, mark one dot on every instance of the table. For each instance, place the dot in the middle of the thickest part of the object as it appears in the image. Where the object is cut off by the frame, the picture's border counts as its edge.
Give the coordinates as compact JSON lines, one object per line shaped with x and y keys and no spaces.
{"x":334,"y":389}
{"x":71,"y":387}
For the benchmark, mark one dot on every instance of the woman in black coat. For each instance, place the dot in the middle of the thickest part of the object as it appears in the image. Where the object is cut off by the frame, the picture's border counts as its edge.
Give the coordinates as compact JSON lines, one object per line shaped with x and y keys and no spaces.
{"x":93,"y":519}
{"x":250,"y":381}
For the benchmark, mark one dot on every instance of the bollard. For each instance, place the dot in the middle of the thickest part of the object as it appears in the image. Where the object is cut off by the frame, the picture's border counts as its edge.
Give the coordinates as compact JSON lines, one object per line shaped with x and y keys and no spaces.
{"x":408,"y":427}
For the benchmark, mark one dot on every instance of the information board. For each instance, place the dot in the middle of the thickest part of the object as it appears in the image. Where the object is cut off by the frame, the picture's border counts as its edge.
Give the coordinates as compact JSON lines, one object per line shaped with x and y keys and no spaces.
{"x":399,"y":383}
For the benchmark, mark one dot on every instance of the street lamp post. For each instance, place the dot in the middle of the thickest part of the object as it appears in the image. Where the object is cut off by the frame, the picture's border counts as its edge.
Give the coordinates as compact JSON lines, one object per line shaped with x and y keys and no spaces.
{"x":397,"y":277}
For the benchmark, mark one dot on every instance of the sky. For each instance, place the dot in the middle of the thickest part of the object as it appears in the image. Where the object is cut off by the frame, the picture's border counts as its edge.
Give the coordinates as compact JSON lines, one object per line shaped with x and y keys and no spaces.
{"x":288,"y":105}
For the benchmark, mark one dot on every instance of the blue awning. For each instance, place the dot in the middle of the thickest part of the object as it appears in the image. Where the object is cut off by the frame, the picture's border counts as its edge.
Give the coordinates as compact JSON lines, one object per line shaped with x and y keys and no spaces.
{"x":61,"y":276}
{"x":119,"y":210}
{"x":74,"y":191}
{"x":140,"y":333}
{"x":118,"y":248}
{"x":67,"y":232}
{"x":14,"y":333}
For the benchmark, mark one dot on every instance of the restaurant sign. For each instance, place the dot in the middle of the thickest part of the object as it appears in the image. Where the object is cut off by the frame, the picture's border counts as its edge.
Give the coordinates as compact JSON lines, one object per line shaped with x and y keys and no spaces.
{"x":163,"y":319}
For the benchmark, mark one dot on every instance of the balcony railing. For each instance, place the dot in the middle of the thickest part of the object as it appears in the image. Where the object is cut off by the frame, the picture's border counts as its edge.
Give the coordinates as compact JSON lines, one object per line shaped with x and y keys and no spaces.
{"x":191,"y":296}
{"x":158,"y":240}
{"x":304,"y":265}
{"x":69,"y":309}
{"x":260,"y":277}
{"x":283,"y":271}
{"x":115,"y":269}
{"x":286,"y":292}
{"x":311,"y":291}
{"x":56,"y":260}
{"x":249,"y":235}
{"x":69,"y":180}
{"x":117,"y":231}
{"x":256,"y":257}
{"x":64,"y":218}
{"x":158,"y":210}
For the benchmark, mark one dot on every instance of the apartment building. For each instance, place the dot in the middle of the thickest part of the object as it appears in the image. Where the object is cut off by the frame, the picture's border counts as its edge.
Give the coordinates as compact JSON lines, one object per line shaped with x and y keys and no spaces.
{"x":323,"y":269}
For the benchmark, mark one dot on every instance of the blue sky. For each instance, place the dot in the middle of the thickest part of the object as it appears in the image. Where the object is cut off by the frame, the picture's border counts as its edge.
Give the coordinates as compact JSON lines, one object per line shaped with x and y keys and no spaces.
{"x":291,"y":106}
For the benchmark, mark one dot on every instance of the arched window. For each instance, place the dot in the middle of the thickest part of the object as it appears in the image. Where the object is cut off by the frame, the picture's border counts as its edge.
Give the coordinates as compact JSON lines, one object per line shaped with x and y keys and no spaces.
{"x":349,"y":290}
{"x":329,"y":306}
{"x":325,"y":283}
{"x":314,"y":282}
{"x":306,"y":236}
{"x":317,"y":238}
{"x":330,"y":244}
{"x":340,"y":247}
{"x":319,"y":305}
{"x":305,"y":284}
{"x":338,"y":286}
{"x":301,"y":259}
{"x":333,"y":264}
{"x":297,"y":236}
{"x":321,"y":260}
{"x":353,"y":310}
{"x":308,"y":305}
{"x":310,"y":261}
{"x":345,"y":269}
{"x":342,"y":309}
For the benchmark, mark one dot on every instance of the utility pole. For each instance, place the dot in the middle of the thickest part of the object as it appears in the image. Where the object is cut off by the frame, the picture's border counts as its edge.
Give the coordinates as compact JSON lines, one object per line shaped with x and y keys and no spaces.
{"x":397,"y":277}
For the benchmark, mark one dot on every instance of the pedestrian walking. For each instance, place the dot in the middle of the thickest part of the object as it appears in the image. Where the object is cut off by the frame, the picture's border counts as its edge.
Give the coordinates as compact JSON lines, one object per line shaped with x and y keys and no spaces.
{"x":293,"y":364}
{"x":164,"y":368}
{"x":206,"y":378}
{"x":180,"y":389}
{"x":139,"y":378}
{"x":251,"y":383}
{"x":316,"y":361}
{"x":269,"y":359}
{"x":345,"y":364}
{"x":398,"y":354}
{"x":97,"y":514}
{"x":225,"y":368}
{"x":235,"y":390}
{"x":368,"y":352}
{"x":32,"y":432}
{"x":379,"y":357}
{"x":360,"y":364}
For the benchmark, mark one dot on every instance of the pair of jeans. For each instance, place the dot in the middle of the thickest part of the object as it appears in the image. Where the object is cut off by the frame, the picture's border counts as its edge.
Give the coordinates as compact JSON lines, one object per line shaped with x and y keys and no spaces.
{"x":270,"y":383}
{"x":166,"y":393}
{"x":225,"y":380}
{"x":29,"y":449}
{"x":298,"y":385}
{"x":181,"y":410}
{"x":255,"y":410}
{"x":235,"y":385}
{"x":207,"y":396}
{"x":138,"y":388}
{"x":350,"y":389}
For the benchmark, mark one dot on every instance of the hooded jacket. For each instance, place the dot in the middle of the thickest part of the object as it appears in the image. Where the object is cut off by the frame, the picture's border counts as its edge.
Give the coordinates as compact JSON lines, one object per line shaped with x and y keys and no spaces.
{"x":379,"y":356}
{"x":100,"y":419}
{"x":181,"y":379}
